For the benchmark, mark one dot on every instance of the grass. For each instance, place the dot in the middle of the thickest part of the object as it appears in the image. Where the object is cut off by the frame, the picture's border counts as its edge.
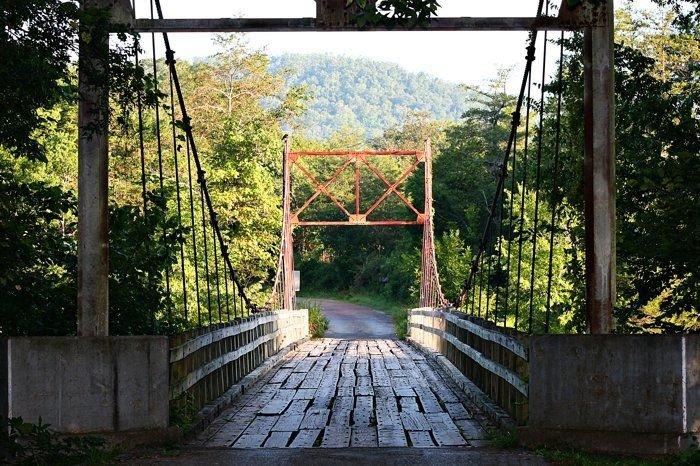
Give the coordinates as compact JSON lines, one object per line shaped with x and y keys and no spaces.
{"x":396,"y":310}
{"x":578,"y":458}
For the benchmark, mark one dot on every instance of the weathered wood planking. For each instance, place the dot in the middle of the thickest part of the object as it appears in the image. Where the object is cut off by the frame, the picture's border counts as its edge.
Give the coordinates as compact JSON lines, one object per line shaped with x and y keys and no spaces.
{"x":407,"y":411}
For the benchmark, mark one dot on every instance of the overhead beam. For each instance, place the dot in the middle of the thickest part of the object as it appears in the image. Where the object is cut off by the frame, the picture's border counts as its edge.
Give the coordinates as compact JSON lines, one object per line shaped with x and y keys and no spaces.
{"x":310,"y":25}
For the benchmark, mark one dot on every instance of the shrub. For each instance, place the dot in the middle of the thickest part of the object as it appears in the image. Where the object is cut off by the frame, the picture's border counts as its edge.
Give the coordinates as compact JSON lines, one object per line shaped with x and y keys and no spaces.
{"x":318,"y":323}
{"x":25,"y":443}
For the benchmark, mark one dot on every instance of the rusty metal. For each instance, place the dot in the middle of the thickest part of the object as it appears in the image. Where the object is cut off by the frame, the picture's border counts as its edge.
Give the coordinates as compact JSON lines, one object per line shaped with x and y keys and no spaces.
{"x":357,"y":159}
{"x":283,"y":292}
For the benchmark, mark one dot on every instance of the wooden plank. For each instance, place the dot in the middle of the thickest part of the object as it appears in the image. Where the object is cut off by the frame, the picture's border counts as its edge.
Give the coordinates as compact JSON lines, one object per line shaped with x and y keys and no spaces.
{"x":383,"y":392}
{"x":404,"y":391}
{"x":506,"y":341}
{"x":391,"y":437}
{"x":336,"y":437}
{"x":278,"y":404}
{"x":364,"y":437}
{"x":470,"y":429}
{"x":364,"y":411}
{"x":278,"y":439}
{"x":421,"y":439}
{"x":145,"y":25}
{"x":280,"y":376}
{"x":409,"y":404}
{"x":305,"y":394}
{"x":291,"y":419}
{"x":305,"y":438}
{"x":250,"y":441}
{"x":315,"y":418}
{"x":444,"y":394}
{"x":444,"y":430}
{"x":364,"y":391}
{"x":294,"y":380}
{"x":414,"y":420}
{"x":428,"y":401}
{"x":457,"y":411}
{"x":387,"y":418}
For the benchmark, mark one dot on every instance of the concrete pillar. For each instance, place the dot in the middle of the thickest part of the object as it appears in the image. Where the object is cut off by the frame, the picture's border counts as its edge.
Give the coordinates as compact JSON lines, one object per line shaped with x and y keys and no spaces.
{"x":599,"y":172}
{"x":93,"y":115}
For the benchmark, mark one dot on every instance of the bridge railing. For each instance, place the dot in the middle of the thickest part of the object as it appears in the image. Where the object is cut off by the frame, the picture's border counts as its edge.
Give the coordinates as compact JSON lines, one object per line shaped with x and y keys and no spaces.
{"x":494,"y":359}
{"x":208,"y":362}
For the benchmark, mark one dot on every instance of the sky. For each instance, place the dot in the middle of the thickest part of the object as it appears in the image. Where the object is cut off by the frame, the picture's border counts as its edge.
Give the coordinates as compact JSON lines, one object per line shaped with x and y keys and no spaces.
{"x":463,"y":57}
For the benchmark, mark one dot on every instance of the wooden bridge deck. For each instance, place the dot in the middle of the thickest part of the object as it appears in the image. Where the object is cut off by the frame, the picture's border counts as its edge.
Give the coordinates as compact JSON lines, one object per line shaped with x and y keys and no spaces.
{"x":334,"y":393}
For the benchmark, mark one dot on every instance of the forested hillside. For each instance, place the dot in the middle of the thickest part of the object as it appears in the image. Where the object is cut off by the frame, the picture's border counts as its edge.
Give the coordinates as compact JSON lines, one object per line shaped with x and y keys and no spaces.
{"x":366,"y":94}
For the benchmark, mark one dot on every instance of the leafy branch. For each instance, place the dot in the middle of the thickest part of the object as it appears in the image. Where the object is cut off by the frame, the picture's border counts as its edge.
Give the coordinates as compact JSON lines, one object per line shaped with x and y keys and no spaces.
{"x":391,"y":13}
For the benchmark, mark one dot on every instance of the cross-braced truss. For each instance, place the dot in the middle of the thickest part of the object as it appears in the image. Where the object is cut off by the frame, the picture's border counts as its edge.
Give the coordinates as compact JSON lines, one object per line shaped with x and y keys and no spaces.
{"x":283,"y":295}
{"x":356,"y":160}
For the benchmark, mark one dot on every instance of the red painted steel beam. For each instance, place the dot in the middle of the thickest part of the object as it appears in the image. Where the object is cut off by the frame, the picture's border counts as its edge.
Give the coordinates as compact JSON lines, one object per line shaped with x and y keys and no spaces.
{"x":318,"y":192}
{"x":367,"y":153}
{"x":357,"y":158}
{"x":343,"y":223}
{"x":403,"y":198}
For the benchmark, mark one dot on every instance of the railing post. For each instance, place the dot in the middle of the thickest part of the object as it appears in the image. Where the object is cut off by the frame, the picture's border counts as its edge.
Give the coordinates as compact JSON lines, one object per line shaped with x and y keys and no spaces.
{"x":599,"y":172}
{"x":93,"y":116}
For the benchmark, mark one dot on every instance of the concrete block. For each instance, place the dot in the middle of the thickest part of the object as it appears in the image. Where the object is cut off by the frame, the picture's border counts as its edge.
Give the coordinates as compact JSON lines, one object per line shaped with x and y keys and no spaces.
{"x":616,"y":393}
{"x":692,"y":364}
{"x":87,"y":384}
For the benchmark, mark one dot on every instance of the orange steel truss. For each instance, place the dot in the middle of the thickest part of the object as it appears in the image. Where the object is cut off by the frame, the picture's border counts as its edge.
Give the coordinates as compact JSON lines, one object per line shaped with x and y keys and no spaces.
{"x":283,"y":294}
{"x":355,"y":160}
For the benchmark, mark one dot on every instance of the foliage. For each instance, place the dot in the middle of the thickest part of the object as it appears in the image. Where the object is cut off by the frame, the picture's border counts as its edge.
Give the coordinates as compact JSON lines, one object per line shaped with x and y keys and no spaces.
{"x":318,"y":323}
{"x":25,"y":443}
{"x":38,"y":244}
{"x":361,"y":93}
{"x":183,"y":412}
{"x":40,"y":40}
{"x":411,"y":13}
{"x":504,"y":438}
{"x":37,"y":248}
{"x":575,"y":457}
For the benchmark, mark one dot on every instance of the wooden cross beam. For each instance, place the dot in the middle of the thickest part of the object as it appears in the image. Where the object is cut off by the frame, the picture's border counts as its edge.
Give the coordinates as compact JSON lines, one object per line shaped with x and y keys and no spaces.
{"x":311,"y":25}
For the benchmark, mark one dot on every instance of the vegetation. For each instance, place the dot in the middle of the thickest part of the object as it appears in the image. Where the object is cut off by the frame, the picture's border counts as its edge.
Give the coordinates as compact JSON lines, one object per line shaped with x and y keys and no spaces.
{"x":37,"y":444}
{"x":364,"y":95}
{"x":318,"y":323}
{"x":578,"y":458}
{"x":241,"y":103}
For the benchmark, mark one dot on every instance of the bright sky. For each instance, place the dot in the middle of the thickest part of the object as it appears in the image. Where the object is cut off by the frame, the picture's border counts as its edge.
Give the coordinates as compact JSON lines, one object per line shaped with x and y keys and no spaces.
{"x":465,"y":57}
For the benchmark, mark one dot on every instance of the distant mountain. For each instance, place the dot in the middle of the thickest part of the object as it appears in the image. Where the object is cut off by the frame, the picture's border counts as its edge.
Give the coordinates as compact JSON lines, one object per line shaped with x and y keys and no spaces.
{"x":365,"y":93}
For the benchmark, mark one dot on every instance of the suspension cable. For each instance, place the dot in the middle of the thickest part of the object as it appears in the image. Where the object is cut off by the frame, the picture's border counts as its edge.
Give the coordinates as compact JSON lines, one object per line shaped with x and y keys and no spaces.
{"x":514,"y":126}
{"x":523,"y":196}
{"x":159,"y":148}
{"x":510,"y":228}
{"x":186,"y":123}
{"x":206,"y":245}
{"x":176,"y":148}
{"x":555,"y":180}
{"x":538,"y":174}
{"x":194,"y":235}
